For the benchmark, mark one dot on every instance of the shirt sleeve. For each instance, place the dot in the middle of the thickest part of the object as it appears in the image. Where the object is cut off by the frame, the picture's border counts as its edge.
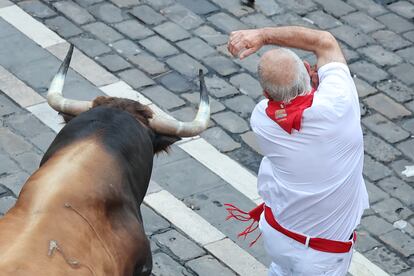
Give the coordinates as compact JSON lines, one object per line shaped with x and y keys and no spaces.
{"x":336,"y":87}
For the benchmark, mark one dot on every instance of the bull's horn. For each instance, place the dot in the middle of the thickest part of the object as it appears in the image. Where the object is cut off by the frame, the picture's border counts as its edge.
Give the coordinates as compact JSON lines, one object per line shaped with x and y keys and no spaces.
{"x":54,"y":94}
{"x":186,"y":129}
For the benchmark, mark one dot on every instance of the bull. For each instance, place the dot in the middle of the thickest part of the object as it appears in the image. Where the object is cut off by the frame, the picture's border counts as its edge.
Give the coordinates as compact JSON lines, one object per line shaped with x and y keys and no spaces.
{"x":79,"y":213}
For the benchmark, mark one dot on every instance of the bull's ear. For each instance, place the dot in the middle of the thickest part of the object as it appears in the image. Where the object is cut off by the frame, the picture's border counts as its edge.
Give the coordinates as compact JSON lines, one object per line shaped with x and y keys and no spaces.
{"x":162,"y":142}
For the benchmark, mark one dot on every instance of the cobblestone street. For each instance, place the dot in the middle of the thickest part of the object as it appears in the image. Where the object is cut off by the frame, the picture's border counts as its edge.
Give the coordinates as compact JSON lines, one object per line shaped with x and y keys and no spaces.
{"x":155,"y":48}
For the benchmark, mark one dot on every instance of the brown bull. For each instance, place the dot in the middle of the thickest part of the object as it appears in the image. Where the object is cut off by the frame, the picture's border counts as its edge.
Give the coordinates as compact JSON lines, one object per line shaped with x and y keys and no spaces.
{"x":79,"y":213}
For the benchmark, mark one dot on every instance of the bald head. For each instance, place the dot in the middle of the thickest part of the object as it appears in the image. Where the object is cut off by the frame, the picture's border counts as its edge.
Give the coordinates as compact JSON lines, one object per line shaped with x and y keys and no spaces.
{"x":283,"y":75}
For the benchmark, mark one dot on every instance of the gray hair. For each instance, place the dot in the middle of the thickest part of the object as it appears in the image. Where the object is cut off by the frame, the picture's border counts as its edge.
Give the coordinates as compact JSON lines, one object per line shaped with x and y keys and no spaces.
{"x":300,"y":85}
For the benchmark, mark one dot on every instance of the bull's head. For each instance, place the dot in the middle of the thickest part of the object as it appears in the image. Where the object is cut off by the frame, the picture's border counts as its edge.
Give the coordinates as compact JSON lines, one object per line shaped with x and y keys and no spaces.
{"x":160,"y":125}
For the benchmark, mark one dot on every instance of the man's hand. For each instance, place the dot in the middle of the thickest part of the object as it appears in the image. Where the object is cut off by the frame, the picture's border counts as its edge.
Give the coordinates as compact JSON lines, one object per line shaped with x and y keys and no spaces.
{"x":313,"y":74}
{"x":245,"y":42}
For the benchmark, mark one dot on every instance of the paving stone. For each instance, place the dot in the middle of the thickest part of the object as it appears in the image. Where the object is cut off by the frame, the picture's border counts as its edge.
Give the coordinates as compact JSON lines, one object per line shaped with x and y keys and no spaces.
{"x":158,"y":46}
{"x":407,"y":147}
{"x":126,"y":3}
{"x":396,"y":89}
{"x":196,"y":48}
{"x":257,"y":21}
{"x":231,"y":122}
{"x":386,"y":259}
{"x":201,"y":7}
{"x":63,"y":27}
{"x":363,"y":22}
{"x":108,"y":13}
{"x":171,"y":177}
{"x":392,"y":210}
{"x":403,"y":72}
{"x":221,"y":65}
{"x":374,"y":170}
{"x":220,"y":139}
{"x":91,"y":47}
{"x":380,"y":56}
{"x":113,"y":63}
{"x":226,"y":23}
{"x":75,"y":12}
{"x":148,"y":64}
{"x":5,"y":3}
{"x":403,"y":8}
{"x":301,"y":7}
{"x":335,"y":7}
{"x":268,"y":8}
{"x":175,"y":82}
{"x":407,"y":273}
{"x":351,"y":36}
{"x":194,"y":98}
{"x":182,"y":16}
{"x":163,"y":265}
{"x":210,"y":35}
{"x":376,"y":225}
{"x":37,"y":9}
{"x":163,"y":97}
{"x":323,"y":20}
{"x":207,"y":265}
{"x":385,"y":128}
{"x":29,"y":161}
{"x":154,"y":247}
{"x":250,"y":139}
{"x":43,"y":140}
{"x":398,"y":189}
{"x":365,"y":242}
{"x":158,"y":4}
{"x":126,"y":48}
{"x":247,"y":85}
{"x":6,"y":203}
{"x":179,"y":245}
{"x":242,"y":105}
{"x":363,"y":88}
{"x":103,"y":32}
{"x":399,"y":166}
{"x":172,"y":31}
{"x":375,"y":193}
{"x":7,"y":165}
{"x":87,"y":3}
{"x":135,"y":78}
{"x":7,"y":107}
{"x":133,"y":29}
{"x":407,"y":54}
{"x":147,"y":15}
{"x":390,"y":40}
{"x":401,"y":242}
{"x":386,"y":106}
{"x":248,"y":158}
{"x":368,"y":6}
{"x":2,"y":190}
{"x":395,"y":23}
{"x":409,"y":35}
{"x":291,"y":19}
{"x":368,"y":71}
{"x":234,"y":7}
{"x":219,"y":88}
{"x":13,"y":144}
{"x":379,"y":149}
{"x":153,"y":222}
{"x":409,"y":125}
{"x":25,"y":124}
{"x":250,"y":63}
{"x":186,"y":65}
{"x":410,"y":106}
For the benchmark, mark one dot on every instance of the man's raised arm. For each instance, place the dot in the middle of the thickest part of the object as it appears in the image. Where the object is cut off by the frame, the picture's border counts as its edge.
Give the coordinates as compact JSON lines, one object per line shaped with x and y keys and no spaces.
{"x":324,"y":45}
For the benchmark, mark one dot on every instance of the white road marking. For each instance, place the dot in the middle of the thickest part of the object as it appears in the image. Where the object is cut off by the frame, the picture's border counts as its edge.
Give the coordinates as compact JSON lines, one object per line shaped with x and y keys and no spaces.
{"x":45,"y":38}
{"x":45,"y":114}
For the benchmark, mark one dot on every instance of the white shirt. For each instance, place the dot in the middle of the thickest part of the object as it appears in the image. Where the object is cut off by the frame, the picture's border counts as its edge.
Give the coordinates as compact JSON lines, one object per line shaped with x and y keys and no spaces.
{"x":312,"y":179}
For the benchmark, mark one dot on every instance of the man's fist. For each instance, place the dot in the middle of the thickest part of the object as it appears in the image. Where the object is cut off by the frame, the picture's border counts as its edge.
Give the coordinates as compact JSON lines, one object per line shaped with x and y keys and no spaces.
{"x":246,"y":42}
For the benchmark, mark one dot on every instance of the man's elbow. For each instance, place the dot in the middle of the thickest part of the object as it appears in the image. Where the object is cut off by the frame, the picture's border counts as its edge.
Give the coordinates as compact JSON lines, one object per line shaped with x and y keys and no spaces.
{"x":327,"y":41}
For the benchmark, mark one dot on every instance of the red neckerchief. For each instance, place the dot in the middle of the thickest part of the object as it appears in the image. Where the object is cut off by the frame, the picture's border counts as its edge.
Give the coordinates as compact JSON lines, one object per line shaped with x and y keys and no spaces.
{"x":289,"y":116}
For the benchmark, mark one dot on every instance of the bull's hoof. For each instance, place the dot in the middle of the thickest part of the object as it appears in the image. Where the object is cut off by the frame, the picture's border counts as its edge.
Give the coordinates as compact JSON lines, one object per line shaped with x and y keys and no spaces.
{"x":249,"y":3}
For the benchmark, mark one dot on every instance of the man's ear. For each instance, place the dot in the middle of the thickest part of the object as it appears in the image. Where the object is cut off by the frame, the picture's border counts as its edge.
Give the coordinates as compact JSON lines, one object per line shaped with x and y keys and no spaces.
{"x":163,"y":142}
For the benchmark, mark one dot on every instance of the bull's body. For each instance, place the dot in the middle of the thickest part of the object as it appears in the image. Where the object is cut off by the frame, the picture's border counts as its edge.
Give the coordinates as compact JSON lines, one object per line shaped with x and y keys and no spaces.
{"x":79,"y":213}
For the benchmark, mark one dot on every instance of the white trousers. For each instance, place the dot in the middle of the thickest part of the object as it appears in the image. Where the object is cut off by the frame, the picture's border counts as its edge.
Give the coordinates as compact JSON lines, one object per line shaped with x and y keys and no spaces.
{"x":291,"y":258}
